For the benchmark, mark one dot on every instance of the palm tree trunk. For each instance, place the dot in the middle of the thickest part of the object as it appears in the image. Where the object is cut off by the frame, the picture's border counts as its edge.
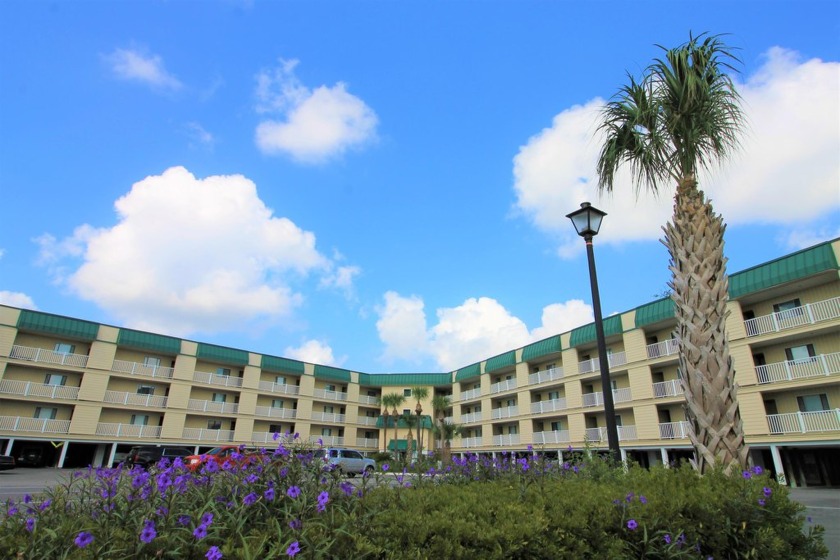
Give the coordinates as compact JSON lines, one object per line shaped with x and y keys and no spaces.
{"x":700,"y":291}
{"x":385,"y":435}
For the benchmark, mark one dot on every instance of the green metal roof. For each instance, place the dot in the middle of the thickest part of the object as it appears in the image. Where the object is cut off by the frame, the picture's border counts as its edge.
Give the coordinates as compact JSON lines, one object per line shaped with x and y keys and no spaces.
{"x":401,"y":445}
{"x":380,"y":422}
{"x":543,"y":347}
{"x":57,"y":325}
{"x":782,"y":270}
{"x":166,"y":345}
{"x":500,"y":361}
{"x":654,"y":312}
{"x":222,"y":354}
{"x":405,"y":379}
{"x":333,"y":373}
{"x":283,"y":365}
{"x":468,"y":372}
{"x":586,"y":333}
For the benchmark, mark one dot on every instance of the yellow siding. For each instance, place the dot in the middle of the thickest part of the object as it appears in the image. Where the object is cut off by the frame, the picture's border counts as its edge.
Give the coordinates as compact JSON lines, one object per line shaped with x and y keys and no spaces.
{"x":85,"y":418}
{"x":101,"y":355}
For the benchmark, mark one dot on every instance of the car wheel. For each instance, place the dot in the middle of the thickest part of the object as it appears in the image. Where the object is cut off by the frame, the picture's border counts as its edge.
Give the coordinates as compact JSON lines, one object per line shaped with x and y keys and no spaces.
{"x":351,"y":474}
{"x":369,"y":470}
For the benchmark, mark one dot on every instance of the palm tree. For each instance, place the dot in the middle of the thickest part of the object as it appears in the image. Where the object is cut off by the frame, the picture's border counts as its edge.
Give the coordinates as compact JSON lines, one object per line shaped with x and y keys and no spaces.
{"x":448,"y":431}
{"x":439,"y":405}
{"x":681,"y":117}
{"x":419,"y":393}
{"x":386,"y":401}
{"x":410,"y":421}
{"x":396,"y":401}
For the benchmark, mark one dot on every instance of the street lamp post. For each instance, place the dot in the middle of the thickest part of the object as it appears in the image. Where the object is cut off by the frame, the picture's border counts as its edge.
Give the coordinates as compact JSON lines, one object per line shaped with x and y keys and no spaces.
{"x":587,"y":222}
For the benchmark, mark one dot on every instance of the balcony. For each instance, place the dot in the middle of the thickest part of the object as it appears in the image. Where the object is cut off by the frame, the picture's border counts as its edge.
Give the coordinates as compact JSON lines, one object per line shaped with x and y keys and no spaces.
{"x":552,"y":374}
{"x":817,"y":366}
{"x":205,"y":434}
{"x":502,"y":386}
{"x":557,"y":436}
{"x":326,"y":441}
{"x":807,"y":314}
{"x":472,"y":442}
{"x":661,"y":349}
{"x":509,"y":439}
{"x":471,"y":418}
{"x":805,"y":422}
{"x":672,"y":388}
{"x":143,"y":370}
{"x":367,"y":399}
{"x":597,"y":399}
{"x":471,"y":394}
{"x":625,"y":433}
{"x":548,"y":406}
{"x":506,"y":412}
{"x":134,"y":399}
{"x":674,"y":430}
{"x":274,"y":412}
{"x":39,"y":425}
{"x":44,"y":356}
{"x":330,"y":417}
{"x":29,"y":389}
{"x":367,"y":443}
{"x":212,"y":406}
{"x":593,"y":365}
{"x":209,"y":378}
{"x":325,"y":394}
{"x":128,"y":431}
{"x":368,"y":420}
{"x":283,"y":388}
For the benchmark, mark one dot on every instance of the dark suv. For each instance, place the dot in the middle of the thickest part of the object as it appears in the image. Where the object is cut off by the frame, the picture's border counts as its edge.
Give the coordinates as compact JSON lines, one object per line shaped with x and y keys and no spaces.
{"x":148,"y":455}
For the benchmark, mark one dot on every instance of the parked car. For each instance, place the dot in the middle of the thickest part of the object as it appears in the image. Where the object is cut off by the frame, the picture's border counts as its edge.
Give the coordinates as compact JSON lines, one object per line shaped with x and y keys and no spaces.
{"x":31,"y":457}
{"x":347,"y":461}
{"x":226,"y":455}
{"x":149,"y":455}
{"x":7,"y":462}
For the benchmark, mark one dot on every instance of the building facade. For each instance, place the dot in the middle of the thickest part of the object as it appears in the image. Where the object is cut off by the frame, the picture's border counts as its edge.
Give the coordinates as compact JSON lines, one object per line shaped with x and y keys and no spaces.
{"x":74,"y":392}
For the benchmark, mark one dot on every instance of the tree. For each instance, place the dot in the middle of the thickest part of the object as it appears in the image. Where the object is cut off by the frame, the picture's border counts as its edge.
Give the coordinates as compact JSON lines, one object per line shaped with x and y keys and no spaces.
{"x":682,"y":116}
{"x":393,"y":400}
{"x":386,"y":401}
{"x":419,"y":393}
{"x":439,"y":405}
{"x":447,"y":432}
{"x":410,"y":421}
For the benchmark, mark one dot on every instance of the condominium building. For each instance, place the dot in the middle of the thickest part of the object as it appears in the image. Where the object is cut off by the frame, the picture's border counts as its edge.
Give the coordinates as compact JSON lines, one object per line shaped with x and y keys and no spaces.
{"x":75,"y":392}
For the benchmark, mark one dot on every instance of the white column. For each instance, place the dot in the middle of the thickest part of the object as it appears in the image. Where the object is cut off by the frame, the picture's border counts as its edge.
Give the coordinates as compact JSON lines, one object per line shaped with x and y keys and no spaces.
{"x":63,"y":454}
{"x":664,"y":454}
{"x":112,"y":454}
{"x":9,"y":444}
{"x":777,"y":464}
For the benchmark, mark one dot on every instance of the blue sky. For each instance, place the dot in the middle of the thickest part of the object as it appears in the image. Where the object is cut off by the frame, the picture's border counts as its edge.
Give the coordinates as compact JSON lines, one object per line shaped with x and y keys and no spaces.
{"x":380,"y":186}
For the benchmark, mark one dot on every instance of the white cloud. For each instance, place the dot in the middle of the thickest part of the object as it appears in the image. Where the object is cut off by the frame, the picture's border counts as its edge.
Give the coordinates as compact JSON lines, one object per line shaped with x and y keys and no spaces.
{"x":793,"y":109}
{"x":199,"y":135}
{"x":470,"y":332}
{"x":801,"y":239}
{"x":189,"y":255}
{"x":16,"y":299}
{"x":314,"y":352}
{"x":341,"y":278}
{"x":314,"y":125}
{"x":134,"y":66}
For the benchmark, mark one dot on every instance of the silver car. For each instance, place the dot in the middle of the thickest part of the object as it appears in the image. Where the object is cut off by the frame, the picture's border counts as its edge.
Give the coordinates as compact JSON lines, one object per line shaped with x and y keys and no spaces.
{"x":346,"y":461}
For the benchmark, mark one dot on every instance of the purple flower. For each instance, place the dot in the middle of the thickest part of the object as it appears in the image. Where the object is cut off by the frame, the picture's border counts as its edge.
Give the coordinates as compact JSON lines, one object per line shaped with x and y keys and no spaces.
{"x":293,"y":549}
{"x":385,"y":467}
{"x":207,"y":518}
{"x":269,"y":495}
{"x":251,"y":478}
{"x":83,"y":539}
{"x":213,"y":553}
{"x":30,"y":524}
{"x":183,"y":520}
{"x":275,"y":436}
{"x":761,"y":502}
{"x":13,"y":510}
{"x":293,"y":492}
{"x":757,"y":470}
{"x":747,"y":475}
{"x":667,"y":538}
{"x":163,"y":482}
{"x":283,"y":472}
{"x":200,"y":532}
{"x":323,"y":498}
{"x":767,"y":492}
{"x":295,"y":524}
{"x":27,"y":498}
{"x":148,"y":533}
{"x":250,"y":499}
{"x":45,"y":505}
{"x":632,"y":524}
{"x":629,"y":496}
{"x":642,"y":499}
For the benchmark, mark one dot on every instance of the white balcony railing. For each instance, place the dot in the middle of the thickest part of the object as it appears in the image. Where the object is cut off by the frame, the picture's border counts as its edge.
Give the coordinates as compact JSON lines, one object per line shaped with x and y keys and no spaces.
{"x":29,"y":389}
{"x":804,"y":422}
{"x":128,"y":431}
{"x":557,"y":436}
{"x":671,"y":388}
{"x":472,"y":442}
{"x":274,"y":412}
{"x":597,"y":399}
{"x":509,"y":439}
{"x":548,"y":406}
{"x":615,"y":359}
{"x":674,"y":430}
{"x":807,"y":314}
{"x":552,"y":374}
{"x":471,"y":417}
{"x":661,"y":349}
{"x":471,"y":394}
{"x":625,"y":433}
{"x":330,"y":417}
{"x":329,"y":395}
{"x":206,"y":434}
{"x":817,"y":366}
{"x":135,"y":399}
{"x":212,"y":406}
{"x":505,"y":412}
{"x":368,"y":420}
{"x":367,"y":399}
{"x":48,"y":356}
{"x":136,"y":368}
{"x":283,"y":388}
{"x":367,"y":443}
{"x":501,"y":386}
{"x":215,"y":379}
{"x":326,"y":441}
{"x":41,"y":425}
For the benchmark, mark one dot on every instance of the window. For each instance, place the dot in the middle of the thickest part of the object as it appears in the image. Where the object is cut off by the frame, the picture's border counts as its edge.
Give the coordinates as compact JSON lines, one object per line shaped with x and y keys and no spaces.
{"x":406,"y":412}
{"x":214,"y":424}
{"x":550,"y":366}
{"x":556,"y":426}
{"x":145,"y":390}
{"x":787,"y":305}
{"x":370,"y":414}
{"x":46,"y":413}
{"x":326,"y":432}
{"x":800,"y":354}
{"x":55,"y":379}
{"x":369,"y":435}
{"x":406,"y":392}
{"x":813,"y":403}
{"x":139,"y":419}
{"x":512,"y":430}
{"x":280,"y":380}
{"x":614,"y":384}
{"x":219,"y":397}
{"x":535,"y":369}
{"x":328,"y":409}
{"x":553,"y":395}
{"x":151,"y":361}
{"x":276,"y":403}
{"x":510,"y":402}
{"x":618,"y":420}
{"x":64,"y":348}
{"x":330,"y":388}
{"x":350,"y":454}
{"x":223,"y":371}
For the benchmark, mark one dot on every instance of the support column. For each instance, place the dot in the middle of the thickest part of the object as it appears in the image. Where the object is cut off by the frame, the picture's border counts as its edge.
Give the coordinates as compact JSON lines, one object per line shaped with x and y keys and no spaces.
{"x":777,"y":464}
{"x":62,"y":455}
{"x":9,"y":445}
{"x":112,"y":454}
{"x":664,"y":454}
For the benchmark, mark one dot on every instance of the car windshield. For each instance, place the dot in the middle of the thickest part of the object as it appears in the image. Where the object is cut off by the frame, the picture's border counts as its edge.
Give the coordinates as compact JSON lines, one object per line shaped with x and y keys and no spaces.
{"x":214,"y":451}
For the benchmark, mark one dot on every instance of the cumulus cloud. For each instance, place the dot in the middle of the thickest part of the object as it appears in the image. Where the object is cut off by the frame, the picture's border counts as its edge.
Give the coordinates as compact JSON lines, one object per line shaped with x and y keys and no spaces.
{"x":793,"y":108}
{"x":189,"y":255}
{"x":314,"y":352}
{"x":311,"y":125}
{"x":472,"y":331}
{"x":17,"y":299}
{"x":132,"y":65}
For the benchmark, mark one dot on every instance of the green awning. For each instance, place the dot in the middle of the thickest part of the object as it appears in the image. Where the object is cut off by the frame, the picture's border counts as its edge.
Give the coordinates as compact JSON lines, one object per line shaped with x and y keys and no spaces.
{"x":401,"y":445}
{"x":281,"y":365}
{"x":426,"y":425}
{"x":468,"y":372}
{"x":222,"y":354}
{"x":158,"y":343}
{"x":786,"y":269}
{"x":500,"y":361}
{"x":332,"y":373}
{"x":586,"y":334}
{"x":654,"y":312}
{"x":405,"y":379}
{"x":35,"y":321}
{"x":542,"y":348}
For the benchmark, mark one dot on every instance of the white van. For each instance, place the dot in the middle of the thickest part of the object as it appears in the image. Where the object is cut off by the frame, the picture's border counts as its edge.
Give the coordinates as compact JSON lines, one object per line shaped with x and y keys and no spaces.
{"x":346,"y":461}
